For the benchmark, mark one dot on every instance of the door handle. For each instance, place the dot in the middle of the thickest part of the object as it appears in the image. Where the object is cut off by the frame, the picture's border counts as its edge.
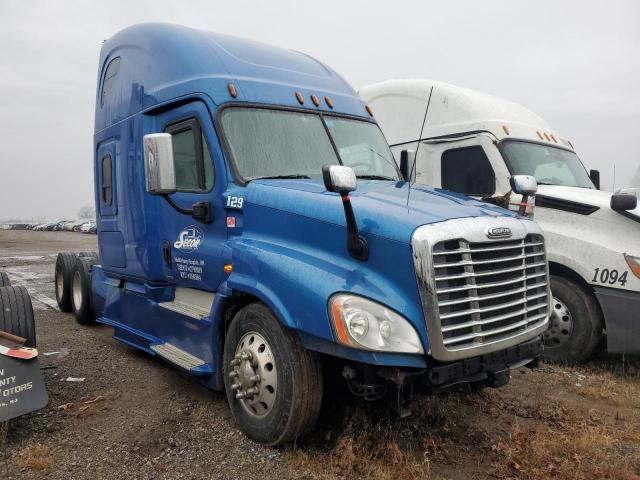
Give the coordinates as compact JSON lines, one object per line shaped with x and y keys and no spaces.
{"x":166,"y":254}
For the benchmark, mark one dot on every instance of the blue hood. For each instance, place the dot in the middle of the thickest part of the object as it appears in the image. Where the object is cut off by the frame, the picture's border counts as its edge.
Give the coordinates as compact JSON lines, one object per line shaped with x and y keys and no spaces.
{"x":381,"y":208}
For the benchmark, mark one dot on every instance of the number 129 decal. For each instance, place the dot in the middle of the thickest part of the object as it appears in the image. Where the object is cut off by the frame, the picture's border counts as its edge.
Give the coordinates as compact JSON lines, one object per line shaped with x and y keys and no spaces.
{"x":234,"y":202}
{"x":604,"y":275}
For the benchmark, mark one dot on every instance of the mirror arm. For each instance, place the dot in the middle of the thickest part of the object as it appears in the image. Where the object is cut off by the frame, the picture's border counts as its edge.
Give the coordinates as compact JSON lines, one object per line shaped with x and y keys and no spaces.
{"x":200,"y":211}
{"x":356,"y":244}
{"x":524,"y":201}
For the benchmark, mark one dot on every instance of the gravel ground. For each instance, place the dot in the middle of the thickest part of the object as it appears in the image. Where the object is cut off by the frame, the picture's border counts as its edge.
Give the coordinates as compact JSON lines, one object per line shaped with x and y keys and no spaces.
{"x":136,"y":417}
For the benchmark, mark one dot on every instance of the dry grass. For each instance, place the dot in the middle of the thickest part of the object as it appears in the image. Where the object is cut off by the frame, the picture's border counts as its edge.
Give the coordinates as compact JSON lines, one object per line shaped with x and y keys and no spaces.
{"x":35,"y":458}
{"x":555,"y":423}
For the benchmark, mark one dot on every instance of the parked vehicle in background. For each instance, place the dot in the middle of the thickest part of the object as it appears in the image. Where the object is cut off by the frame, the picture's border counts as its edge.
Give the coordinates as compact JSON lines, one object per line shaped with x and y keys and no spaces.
{"x":86,"y":227}
{"x":260,"y":226}
{"x":473,"y":143}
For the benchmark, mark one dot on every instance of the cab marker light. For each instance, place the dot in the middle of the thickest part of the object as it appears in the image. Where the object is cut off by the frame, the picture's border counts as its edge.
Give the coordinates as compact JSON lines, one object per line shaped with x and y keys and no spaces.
{"x":546,"y":136}
{"x":232,"y":90}
{"x":369,"y":111}
{"x":315,"y":100}
{"x":634,"y":264}
{"x":553,"y":138}
{"x":329,"y":102}
{"x":228,"y":268}
{"x":506,"y":130}
{"x":540,"y":135}
{"x":367,"y":325}
{"x":300,"y":98}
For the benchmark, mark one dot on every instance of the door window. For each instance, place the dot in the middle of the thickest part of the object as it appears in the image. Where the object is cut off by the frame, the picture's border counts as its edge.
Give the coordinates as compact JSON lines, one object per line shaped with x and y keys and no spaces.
{"x":107,"y":185}
{"x":468,"y":170}
{"x":191,"y":157}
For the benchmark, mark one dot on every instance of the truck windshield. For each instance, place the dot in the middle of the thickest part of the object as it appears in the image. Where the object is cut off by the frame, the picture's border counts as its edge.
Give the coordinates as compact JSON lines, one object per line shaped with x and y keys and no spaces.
{"x":283,"y":144}
{"x":549,"y":165}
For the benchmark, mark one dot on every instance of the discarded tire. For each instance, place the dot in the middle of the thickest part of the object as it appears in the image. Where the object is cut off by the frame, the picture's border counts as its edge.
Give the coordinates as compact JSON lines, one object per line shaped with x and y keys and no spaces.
{"x":4,"y":280}
{"x":81,"y":290}
{"x":16,"y":314}
{"x":16,"y":317}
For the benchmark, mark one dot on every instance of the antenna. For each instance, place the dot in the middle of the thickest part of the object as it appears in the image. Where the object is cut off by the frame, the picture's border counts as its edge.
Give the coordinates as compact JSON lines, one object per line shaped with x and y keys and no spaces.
{"x":415,"y":157}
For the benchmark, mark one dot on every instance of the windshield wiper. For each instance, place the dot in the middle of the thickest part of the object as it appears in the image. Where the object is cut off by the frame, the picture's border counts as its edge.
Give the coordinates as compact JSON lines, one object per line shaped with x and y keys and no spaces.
{"x":271,"y":177}
{"x":375,"y":177}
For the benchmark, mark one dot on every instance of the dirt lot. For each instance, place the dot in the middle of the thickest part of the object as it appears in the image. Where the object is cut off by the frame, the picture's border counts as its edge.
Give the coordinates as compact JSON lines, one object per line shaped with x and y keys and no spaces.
{"x":136,"y":417}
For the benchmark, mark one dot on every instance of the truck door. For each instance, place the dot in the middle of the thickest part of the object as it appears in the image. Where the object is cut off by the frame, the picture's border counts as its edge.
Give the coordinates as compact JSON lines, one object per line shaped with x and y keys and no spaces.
{"x":192,"y":251}
{"x":471,"y":165}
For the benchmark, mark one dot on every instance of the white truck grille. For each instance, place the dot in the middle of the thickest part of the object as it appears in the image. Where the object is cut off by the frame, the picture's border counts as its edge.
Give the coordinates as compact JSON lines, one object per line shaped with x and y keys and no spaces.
{"x":481,"y":294}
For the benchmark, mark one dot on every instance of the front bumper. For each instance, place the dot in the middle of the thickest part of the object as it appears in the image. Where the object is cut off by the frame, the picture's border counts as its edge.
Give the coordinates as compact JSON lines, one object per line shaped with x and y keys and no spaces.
{"x":490,"y":369}
{"x":621,"y":309}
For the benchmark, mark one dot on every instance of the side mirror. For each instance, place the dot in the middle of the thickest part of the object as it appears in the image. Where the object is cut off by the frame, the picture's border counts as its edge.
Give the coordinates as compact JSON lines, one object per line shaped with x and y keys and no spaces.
{"x":339,"y":179}
{"x":158,"y":163}
{"x":595,"y":178}
{"x":523,"y":184}
{"x":407,"y":159}
{"x":342,"y":180}
{"x":623,"y":201}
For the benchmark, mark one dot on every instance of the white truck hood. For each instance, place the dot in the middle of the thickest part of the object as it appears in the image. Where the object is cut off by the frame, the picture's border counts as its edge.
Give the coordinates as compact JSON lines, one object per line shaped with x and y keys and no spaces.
{"x":596,"y":198}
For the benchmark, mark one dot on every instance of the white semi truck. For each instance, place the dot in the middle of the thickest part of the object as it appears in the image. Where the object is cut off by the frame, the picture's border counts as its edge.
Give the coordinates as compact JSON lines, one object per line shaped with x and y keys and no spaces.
{"x":472,"y":143}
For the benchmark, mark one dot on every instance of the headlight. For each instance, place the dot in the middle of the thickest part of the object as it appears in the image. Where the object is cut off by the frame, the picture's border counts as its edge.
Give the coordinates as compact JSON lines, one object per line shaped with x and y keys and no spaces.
{"x":634,"y":264}
{"x":365,"y":324}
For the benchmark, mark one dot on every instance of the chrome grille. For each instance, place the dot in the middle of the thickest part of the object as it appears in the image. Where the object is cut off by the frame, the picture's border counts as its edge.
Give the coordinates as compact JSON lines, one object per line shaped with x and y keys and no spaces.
{"x":489,"y":291}
{"x":481,"y":294}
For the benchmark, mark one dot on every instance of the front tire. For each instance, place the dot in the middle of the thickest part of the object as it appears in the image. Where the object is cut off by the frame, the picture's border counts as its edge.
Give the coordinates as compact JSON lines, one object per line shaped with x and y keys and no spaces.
{"x":575,"y":326}
{"x":274,"y":386}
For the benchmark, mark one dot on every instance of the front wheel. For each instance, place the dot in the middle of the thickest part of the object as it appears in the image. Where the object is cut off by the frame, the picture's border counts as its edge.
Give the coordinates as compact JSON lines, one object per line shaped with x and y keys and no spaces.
{"x":274,"y":386}
{"x":575,"y":324}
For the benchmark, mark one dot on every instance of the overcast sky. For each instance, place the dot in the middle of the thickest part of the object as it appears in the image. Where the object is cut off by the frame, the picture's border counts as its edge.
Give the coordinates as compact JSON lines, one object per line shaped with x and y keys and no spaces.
{"x":575,"y":63}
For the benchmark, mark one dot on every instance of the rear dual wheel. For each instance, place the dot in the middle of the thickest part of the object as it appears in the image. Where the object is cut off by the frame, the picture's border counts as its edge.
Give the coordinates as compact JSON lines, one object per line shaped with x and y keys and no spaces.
{"x":65,"y":264}
{"x":81,"y":303}
{"x":274,"y":386}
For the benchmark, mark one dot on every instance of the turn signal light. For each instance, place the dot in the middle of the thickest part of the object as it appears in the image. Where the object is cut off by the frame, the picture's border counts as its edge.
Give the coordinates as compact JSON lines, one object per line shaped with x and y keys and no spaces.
{"x":634,"y":264}
{"x":228,"y":268}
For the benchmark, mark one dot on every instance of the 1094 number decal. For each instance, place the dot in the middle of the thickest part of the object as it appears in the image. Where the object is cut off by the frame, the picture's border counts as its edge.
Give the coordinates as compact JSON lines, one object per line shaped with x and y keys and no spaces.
{"x":604,"y":275}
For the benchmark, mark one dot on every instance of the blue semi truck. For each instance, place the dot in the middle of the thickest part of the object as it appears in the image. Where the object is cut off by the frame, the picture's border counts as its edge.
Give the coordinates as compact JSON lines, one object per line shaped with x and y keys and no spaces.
{"x":252,"y":224}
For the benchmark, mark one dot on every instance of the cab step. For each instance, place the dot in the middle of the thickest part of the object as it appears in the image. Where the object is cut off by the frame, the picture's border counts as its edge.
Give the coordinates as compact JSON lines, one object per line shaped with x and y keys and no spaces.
{"x":190,"y":302}
{"x":175,"y":355}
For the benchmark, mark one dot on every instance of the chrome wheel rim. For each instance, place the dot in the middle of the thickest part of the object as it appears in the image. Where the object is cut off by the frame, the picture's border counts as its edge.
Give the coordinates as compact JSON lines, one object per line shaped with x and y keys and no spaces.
{"x":77,"y":291}
{"x":254,"y":375}
{"x":59,"y":284}
{"x":560,"y":324}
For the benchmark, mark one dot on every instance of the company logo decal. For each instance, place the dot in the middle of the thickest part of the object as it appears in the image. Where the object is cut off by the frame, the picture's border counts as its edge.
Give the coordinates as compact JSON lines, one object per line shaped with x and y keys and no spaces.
{"x":499,"y":232}
{"x":189,"y":239}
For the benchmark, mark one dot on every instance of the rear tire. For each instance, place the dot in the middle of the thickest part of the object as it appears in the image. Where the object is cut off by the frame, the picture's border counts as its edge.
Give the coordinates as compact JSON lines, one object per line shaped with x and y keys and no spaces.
{"x":63,"y":272}
{"x":296,"y":373}
{"x":16,"y":317}
{"x":80,"y":292}
{"x":4,"y":280}
{"x":576,"y":324}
